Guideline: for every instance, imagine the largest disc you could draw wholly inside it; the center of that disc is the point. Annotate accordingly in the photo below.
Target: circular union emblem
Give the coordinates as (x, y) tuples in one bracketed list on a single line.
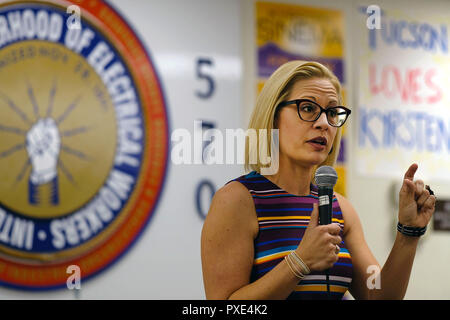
[(83, 140)]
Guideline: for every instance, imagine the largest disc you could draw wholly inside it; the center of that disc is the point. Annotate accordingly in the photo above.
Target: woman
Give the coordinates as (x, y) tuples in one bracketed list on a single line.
[(261, 238)]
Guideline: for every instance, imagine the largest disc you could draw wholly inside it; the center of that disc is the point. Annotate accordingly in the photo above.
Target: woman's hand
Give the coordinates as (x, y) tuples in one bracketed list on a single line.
[(416, 205), (318, 248)]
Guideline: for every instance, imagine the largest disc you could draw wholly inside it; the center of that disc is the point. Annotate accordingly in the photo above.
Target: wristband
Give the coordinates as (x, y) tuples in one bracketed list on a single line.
[(411, 231)]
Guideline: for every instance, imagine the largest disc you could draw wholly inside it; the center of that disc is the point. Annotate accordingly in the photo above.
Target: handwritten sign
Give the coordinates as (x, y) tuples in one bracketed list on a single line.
[(403, 96)]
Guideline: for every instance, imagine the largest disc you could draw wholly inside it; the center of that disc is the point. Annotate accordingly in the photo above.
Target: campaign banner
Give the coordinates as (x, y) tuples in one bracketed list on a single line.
[(288, 32), (403, 100)]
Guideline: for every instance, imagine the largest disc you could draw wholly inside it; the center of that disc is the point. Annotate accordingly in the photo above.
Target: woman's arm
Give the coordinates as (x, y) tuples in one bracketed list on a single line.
[(395, 274), (415, 209), (361, 255), (228, 253)]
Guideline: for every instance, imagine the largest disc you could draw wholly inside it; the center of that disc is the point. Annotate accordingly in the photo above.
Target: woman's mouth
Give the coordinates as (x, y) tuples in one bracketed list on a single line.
[(318, 143)]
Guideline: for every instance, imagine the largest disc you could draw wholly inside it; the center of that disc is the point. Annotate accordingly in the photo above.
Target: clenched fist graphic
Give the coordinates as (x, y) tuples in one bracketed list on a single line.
[(43, 145)]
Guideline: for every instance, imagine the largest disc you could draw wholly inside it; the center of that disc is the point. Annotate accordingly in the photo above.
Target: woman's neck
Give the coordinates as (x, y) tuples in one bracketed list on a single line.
[(293, 178)]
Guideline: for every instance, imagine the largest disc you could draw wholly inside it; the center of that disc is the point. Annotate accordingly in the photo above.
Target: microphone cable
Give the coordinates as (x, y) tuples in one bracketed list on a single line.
[(327, 275)]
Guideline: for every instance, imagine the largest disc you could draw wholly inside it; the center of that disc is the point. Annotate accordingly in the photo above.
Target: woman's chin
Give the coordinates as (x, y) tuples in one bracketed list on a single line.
[(312, 160)]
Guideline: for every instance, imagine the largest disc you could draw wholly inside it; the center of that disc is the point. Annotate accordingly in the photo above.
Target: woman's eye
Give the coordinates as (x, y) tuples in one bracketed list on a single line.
[(332, 113), (309, 108)]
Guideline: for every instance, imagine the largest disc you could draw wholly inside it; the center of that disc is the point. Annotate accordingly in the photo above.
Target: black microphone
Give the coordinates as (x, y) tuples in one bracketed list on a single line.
[(326, 178)]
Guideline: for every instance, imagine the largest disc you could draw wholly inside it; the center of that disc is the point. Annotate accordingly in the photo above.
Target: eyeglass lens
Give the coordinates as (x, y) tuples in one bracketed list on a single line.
[(309, 111)]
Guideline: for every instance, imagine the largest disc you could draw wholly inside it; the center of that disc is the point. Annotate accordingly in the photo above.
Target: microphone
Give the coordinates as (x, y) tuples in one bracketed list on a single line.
[(326, 178)]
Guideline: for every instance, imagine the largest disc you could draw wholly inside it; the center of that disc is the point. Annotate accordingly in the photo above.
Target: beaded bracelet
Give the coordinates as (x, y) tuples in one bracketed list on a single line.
[(411, 231)]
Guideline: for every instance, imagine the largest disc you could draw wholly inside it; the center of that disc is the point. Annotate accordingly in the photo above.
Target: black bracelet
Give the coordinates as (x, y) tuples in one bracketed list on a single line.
[(411, 231)]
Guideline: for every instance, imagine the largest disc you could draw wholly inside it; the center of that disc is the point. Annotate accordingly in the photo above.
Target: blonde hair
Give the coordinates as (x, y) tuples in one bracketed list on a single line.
[(277, 89)]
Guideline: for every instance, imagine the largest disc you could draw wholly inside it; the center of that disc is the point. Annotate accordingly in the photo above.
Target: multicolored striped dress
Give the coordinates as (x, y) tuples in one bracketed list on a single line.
[(282, 219)]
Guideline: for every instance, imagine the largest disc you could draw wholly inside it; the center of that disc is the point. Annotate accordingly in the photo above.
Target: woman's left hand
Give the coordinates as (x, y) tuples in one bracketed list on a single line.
[(416, 205)]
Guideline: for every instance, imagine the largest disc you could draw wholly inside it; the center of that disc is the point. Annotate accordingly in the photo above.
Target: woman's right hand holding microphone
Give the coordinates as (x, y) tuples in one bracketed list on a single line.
[(319, 247)]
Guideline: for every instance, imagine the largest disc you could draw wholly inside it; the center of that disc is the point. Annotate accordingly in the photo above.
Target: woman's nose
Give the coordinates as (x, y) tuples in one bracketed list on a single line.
[(322, 122)]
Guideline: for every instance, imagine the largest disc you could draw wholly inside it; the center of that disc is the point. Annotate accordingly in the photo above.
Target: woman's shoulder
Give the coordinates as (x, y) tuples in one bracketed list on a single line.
[(239, 187), (231, 205), (348, 212), (342, 200), (234, 193), (247, 178), (344, 203)]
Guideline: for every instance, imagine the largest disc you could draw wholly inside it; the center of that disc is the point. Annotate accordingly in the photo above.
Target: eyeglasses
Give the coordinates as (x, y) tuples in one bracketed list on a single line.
[(311, 111)]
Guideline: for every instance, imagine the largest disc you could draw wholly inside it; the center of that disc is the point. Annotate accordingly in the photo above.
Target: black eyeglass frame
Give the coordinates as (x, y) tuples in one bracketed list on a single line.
[(322, 110)]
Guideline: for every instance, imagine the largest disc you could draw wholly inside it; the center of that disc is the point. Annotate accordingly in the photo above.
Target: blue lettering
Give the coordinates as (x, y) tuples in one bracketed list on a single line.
[(401, 25), (388, 130), (410, 128), (364, 130), (426, 31), (372, 38), (399, 121), (410, 131), (410, 35), (413, 30), (444, 39), (430, 136), (394, 135), (419, 117), (388, 34), (444, 133)]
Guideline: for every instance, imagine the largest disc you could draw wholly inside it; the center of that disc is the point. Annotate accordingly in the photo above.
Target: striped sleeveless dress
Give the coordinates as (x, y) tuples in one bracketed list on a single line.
[(282, 219)]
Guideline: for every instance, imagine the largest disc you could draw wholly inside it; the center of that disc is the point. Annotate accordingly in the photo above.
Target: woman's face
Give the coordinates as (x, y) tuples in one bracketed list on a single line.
[(307, 143)]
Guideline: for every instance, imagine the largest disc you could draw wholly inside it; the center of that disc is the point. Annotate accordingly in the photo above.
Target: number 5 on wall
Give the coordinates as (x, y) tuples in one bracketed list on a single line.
[(201, 64)]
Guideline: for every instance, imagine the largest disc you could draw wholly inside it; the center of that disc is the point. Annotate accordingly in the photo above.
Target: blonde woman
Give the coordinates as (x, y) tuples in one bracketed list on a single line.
[(261, 238)]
